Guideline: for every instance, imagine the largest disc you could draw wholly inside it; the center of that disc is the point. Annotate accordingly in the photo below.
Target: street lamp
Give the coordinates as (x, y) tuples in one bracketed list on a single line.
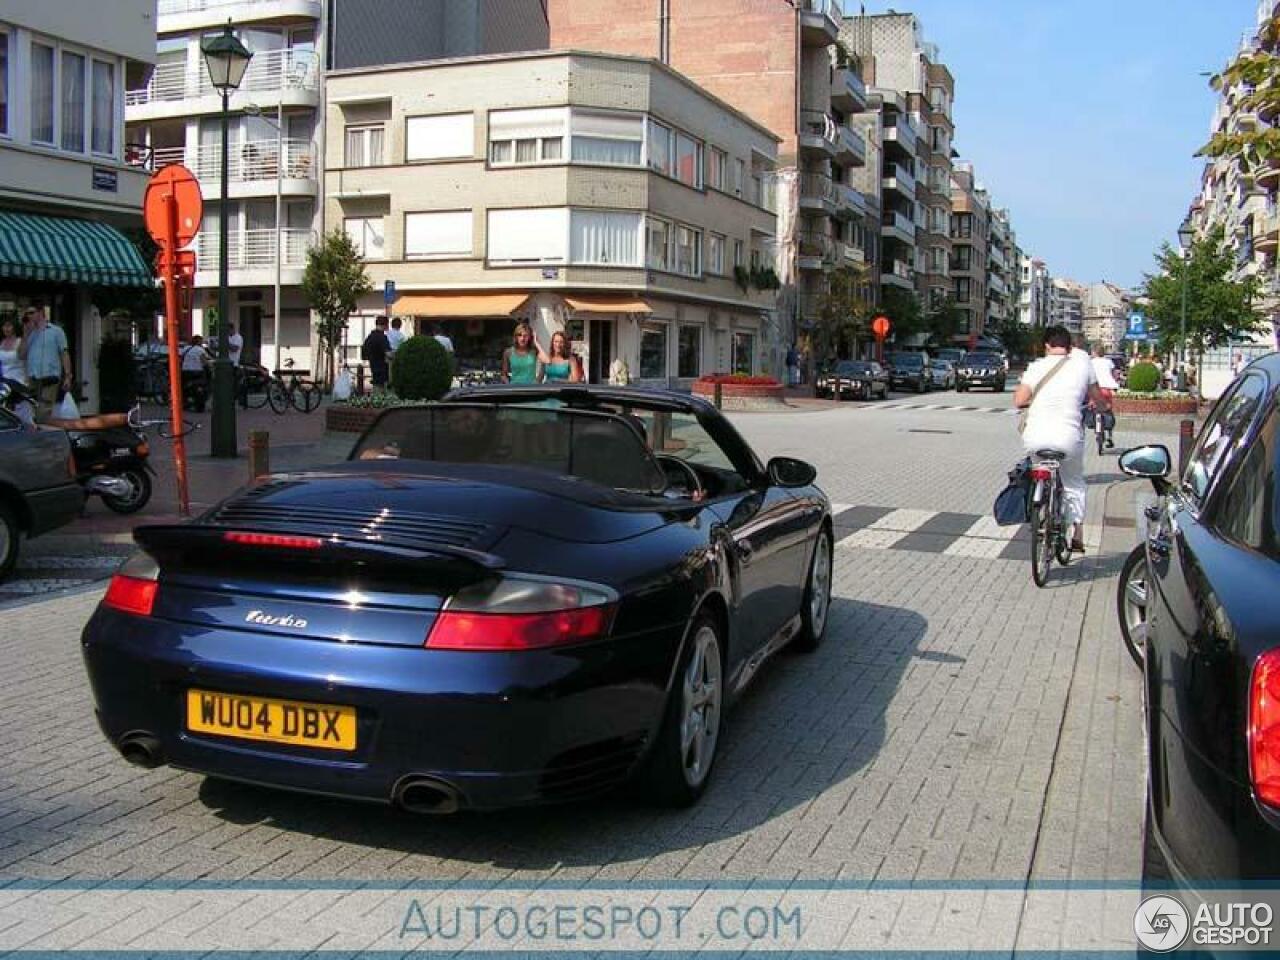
[(1186, 236), (226, 59)]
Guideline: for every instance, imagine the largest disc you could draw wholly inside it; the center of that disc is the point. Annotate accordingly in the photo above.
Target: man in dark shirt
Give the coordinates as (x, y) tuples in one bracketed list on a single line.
[(375, 351)]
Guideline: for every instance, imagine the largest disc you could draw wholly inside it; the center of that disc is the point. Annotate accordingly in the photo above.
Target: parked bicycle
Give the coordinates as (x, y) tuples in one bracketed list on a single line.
[(291, 387), (1050, 530)]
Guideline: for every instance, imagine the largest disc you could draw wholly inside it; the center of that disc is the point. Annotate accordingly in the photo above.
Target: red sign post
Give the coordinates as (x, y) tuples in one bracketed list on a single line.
[(172, 210), (880, 326)]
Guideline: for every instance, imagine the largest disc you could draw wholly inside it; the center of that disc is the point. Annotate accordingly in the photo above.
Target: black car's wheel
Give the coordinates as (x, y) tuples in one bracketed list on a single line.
[(10, 538), (817, 596), (1000, 387), (1131, 603), (920, 387), (137, 497), (685, 752)]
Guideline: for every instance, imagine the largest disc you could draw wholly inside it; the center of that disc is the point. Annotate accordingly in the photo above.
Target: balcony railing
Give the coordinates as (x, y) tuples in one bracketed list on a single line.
[(817, 186), (898, 268), (813, 245), (828, 8), (171, 7), (891, 218), (254, 249), (816, 124), (902, 177), (269, 71), (251, 161)]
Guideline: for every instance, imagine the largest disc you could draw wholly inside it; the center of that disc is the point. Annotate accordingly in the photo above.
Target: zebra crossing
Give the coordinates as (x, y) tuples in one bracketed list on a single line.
[(42, 570), (937, 407), (976, 536)]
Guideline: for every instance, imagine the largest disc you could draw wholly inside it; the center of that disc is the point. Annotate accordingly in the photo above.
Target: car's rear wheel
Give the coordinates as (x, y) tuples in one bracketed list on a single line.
[(10, 537), (817, 596), (685, 752)]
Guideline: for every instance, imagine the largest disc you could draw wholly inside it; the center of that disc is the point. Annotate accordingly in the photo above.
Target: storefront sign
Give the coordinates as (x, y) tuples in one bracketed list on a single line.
[(105, 179)]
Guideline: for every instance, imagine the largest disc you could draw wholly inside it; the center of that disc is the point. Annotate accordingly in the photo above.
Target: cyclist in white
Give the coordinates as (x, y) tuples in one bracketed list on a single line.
[(1060, 383), (1104, 369)]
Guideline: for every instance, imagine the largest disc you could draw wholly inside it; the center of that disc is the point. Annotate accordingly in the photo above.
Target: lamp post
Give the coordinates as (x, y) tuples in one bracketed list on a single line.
[(1186, 236), (226, 59)]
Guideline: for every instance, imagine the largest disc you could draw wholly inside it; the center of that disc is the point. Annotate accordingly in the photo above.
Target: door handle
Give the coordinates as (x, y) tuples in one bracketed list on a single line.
[(1158, 544)]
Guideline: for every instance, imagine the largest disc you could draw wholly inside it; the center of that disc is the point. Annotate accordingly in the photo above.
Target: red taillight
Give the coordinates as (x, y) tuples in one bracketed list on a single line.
[(460, 630), (1041, 473), (131, 595), (1264, 728), (283, 541)]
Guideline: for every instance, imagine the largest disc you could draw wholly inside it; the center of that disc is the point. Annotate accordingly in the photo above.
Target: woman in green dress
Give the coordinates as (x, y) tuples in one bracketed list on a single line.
[(562, 365), (522, 361)]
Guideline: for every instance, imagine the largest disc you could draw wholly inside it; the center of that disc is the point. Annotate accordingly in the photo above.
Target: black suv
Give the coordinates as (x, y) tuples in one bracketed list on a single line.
[(980, 370), (909, 370)]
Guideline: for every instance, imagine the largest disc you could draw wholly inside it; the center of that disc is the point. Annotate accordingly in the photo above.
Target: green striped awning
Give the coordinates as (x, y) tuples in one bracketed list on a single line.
[(63, 249)]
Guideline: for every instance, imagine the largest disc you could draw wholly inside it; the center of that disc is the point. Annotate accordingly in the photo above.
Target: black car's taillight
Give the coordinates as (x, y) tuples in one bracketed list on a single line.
[(1264, 728), (134, 587), (517, 613)]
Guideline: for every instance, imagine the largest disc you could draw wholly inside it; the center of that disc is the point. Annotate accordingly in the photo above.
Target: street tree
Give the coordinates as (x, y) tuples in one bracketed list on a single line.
[(1218, 309), (333, 283), (1256, 72), (842, 314), (904, 311), (944, 320)]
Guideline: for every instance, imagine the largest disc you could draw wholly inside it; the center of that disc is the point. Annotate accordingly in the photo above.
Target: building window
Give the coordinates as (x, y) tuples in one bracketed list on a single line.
[(442, 234), (528, 236), (675, 154), (688, 168), (737, 253), (364, 146), (657, 245), (739, 175), (41, 93), (660, 147), (616, 139), (689, 352), (962, 258), (368, 234), (604, 238), (526, 136), (744, 352), (963, 289), (4, 82), (717, 168), (104, 107), (715, 254), (72, 102), (446, 137), (962, 225), (688, 252), (653, 353)]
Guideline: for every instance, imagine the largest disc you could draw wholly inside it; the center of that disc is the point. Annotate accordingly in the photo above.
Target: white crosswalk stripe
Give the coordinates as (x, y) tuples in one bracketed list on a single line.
[(889, 529), (985, 540)]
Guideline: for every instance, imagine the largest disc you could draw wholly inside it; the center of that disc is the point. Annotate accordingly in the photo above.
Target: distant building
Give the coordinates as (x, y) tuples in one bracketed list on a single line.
[(1105, 315), (1002, 270), (1066, 304), (1034, 292), (970, 232)]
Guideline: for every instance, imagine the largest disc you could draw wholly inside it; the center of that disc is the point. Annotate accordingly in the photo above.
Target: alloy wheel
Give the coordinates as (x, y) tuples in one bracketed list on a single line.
[(820, 585), (700, 714)]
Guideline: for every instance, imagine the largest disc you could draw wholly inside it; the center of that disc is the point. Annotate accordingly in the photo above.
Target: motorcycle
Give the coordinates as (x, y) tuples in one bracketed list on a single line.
[(110, 452)]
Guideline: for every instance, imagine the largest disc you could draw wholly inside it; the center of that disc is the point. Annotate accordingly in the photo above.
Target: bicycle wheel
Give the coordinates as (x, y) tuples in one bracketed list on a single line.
[(1101, 433), (306, 397), (1041, 542), (1062, 527), (279, 396)]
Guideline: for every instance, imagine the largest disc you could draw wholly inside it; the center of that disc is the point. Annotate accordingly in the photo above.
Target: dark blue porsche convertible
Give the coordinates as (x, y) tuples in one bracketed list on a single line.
[(519, 595)]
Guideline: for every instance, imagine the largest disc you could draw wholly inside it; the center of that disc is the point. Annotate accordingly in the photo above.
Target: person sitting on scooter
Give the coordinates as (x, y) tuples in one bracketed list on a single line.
[(195, 373)]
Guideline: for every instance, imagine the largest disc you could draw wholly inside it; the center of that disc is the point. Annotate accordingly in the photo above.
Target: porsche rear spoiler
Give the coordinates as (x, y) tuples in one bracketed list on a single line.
[(201, 544)]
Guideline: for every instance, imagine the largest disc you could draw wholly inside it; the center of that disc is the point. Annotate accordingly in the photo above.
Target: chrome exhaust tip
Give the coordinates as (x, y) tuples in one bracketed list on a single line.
[(418, 793)]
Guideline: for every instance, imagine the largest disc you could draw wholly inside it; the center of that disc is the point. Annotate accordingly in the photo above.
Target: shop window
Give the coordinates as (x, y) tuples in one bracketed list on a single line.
[(744, 352), (653, 353), (689, 352)]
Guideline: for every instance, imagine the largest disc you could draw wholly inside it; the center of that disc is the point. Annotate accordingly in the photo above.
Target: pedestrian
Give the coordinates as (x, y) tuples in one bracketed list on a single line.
[(48, 360), (1053, 391), (376, 351), (441, 337), (1237, 364), (395, 336), (195, 374), (522, 361), (562, 365), (12, 361), (235, 345), (793, 366)]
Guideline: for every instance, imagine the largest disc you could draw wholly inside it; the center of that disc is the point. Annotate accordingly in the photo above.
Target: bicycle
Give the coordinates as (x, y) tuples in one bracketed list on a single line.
[(289, 388), (1050, 530), (253, 384), (1101, 422), (163, 425)]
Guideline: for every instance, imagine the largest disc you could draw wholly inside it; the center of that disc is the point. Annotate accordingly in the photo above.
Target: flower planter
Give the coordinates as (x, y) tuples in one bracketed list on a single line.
[(742, 396), (1151, 406), (340, 418)]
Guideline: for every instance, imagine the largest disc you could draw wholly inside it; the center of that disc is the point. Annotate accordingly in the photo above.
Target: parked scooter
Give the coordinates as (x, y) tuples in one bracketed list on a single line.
[(110, 452)]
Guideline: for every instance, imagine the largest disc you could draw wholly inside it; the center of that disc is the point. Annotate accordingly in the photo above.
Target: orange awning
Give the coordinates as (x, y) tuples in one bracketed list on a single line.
[(458, 304), (607, 304)]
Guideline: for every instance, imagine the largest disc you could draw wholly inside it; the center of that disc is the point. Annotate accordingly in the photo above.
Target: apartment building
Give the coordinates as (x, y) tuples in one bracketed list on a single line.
[(1243, 203), (970, 232), (606, 196), (1034, 291), (65, 189), (1066, 304), (1105, 315), (779, 63), (1002, 269), (914, 92), (274, 170)]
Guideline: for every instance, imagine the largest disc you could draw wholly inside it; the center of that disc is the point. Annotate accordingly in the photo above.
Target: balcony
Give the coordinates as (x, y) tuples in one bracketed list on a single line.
[(814, 251), (851, 149), (996, 285), (899, 179), (1268, 174), (848, 92), (850, 254), (819, 22), (252, 169), (897, 273), (181, 16), (895, 226), (175, 90), (817, 193), (817, 133), (850, 202), (898, 129), (253, 252), (1266, 232)]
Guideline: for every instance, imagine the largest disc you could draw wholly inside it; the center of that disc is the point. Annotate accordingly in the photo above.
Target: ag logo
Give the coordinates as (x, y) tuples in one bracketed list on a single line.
[(1161, 924)]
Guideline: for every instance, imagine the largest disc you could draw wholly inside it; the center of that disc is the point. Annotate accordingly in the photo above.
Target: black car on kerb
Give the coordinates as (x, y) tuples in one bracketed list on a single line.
[(980, 370), (1211, 641), (911, 370), (518, 595)]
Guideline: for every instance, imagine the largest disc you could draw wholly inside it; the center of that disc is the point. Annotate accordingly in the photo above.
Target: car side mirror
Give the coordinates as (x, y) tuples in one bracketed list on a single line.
[(790, 472), (1151, 462)]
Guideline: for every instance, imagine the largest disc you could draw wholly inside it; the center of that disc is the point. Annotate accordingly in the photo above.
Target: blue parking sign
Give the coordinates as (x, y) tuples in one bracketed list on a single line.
[(389, 292), (1137, 326)]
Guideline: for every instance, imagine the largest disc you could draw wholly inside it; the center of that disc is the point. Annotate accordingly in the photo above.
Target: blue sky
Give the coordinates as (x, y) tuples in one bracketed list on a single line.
[(1081, 116)]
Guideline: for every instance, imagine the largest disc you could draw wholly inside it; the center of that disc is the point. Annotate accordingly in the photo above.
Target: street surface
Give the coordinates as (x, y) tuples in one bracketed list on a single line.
[(957, 725)]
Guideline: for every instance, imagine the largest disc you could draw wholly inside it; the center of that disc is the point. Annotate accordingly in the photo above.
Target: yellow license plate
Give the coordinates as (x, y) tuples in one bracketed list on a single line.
[(272, 721)]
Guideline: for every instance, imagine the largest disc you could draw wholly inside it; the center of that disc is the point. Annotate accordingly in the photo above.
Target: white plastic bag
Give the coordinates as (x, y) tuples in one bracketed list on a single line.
[(342, 386), (66, 408)]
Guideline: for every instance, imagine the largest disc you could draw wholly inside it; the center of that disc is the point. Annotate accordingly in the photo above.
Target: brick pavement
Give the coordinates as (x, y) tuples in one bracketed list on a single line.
[(959, 724)]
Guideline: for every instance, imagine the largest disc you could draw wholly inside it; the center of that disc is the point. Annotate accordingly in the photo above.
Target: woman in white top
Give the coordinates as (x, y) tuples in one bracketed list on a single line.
[(1055, 389), (12, 362)]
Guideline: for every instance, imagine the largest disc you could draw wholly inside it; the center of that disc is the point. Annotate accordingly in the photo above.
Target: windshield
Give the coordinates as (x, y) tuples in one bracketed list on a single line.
[(907, 360), (598, 447), (982, 359), (849, 368)]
